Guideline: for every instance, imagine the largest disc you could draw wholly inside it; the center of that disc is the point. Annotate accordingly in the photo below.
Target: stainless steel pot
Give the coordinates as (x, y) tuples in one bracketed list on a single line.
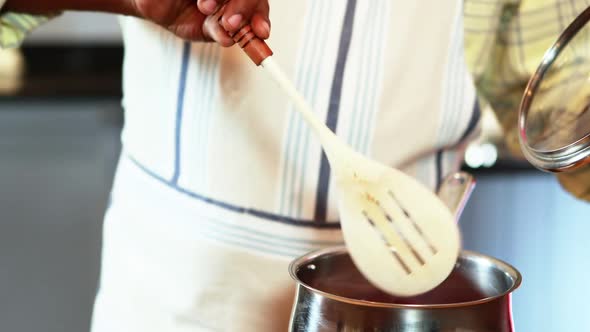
[(332, 295)]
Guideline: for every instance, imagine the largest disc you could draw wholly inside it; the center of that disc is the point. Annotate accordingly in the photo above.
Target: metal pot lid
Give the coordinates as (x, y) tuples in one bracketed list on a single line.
[(554, 119)]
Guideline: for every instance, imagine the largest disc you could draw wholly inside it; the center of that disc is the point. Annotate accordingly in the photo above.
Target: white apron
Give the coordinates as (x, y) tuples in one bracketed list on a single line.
[(220, 183)]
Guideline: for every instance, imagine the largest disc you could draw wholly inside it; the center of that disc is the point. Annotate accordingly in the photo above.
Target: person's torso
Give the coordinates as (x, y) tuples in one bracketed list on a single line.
[(219, 184), (388, 76)]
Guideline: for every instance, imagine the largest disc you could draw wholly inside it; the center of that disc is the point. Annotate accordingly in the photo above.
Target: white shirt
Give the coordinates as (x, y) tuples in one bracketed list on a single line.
[(221, 184)]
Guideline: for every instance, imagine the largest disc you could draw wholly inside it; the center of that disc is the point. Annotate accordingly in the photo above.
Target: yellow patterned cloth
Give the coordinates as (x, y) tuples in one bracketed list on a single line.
[(504, 42), (15, 27)]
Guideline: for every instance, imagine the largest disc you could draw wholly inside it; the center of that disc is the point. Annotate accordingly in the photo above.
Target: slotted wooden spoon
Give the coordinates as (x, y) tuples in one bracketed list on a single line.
[(400, 235)]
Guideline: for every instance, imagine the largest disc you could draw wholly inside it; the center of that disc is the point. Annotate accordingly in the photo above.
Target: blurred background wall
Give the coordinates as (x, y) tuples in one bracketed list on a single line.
[(60, 120)]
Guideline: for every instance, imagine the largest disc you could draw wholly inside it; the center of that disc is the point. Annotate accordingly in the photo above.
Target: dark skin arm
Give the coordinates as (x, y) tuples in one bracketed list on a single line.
[(186, 18)]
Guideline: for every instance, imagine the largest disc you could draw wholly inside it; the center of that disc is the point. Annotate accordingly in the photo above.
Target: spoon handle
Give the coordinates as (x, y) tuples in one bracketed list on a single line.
[(455, 190), (261, 54), (254, 47)]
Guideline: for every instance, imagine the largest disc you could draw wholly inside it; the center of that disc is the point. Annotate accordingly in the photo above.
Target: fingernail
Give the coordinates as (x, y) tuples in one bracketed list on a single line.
[(266, 27), (235, 21), (210, 6)]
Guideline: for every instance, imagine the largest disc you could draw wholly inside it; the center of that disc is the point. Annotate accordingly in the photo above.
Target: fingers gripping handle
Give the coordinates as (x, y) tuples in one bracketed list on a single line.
[(254, 47)]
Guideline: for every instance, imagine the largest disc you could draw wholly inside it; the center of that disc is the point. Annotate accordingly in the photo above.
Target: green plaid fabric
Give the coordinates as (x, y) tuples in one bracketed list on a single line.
[(505, 41), (15, 27)]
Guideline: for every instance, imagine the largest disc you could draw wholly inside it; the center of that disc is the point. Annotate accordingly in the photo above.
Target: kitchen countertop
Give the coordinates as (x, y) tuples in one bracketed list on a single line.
[(505, 166)]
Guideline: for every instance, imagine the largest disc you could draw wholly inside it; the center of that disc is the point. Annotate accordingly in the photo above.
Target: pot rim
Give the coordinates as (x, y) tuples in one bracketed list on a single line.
[(510, 270)]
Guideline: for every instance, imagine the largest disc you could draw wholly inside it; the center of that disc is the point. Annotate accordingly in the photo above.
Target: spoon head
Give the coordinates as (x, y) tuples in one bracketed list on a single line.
[(400, 235)]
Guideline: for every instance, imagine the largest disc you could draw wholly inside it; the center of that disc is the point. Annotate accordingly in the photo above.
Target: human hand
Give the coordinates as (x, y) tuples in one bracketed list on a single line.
[(203, 21)]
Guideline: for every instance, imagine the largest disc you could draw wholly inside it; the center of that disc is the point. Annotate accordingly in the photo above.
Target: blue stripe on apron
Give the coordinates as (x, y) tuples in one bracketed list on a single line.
[(232, 207), (333, 110), (179, 109)]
